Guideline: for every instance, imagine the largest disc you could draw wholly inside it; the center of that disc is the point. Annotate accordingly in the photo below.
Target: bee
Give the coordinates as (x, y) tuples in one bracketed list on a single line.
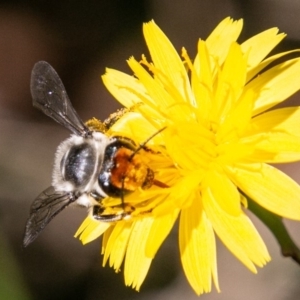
[(88, 167)]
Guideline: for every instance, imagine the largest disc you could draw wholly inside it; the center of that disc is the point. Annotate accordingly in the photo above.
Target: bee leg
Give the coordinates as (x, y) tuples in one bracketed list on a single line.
[(98, 215), (114, 117), (122, 193)]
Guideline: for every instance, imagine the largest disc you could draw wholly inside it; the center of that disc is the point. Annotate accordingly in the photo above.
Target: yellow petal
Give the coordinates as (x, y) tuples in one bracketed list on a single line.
[(230, 82), (236, 232), (186, 186), (222, 37), (256, 69), (199, 151), (260, 45), (83, 226), (116, 245), (275, 85), (130, 92), (91, 229), (126, 89), (276, 135), (237, 120), (269, 187), (286, 120), (221, 185), (198, 248), (160, 229), (166, 58), (274, 147), (159, 97), (231, 152), (202, 81), (105, 239), (234, 69), (202, 65), (135, 126), (137, 263)]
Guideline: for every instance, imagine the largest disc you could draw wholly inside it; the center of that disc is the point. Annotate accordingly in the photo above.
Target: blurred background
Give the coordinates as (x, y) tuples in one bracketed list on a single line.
[(80, 39)]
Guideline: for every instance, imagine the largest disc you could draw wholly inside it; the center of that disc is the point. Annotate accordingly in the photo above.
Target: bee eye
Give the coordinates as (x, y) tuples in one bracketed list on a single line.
[(77, 166)]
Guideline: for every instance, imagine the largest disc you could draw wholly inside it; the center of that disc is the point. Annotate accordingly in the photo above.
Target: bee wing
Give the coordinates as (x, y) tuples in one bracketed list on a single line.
[(44, 208), (50, 96)]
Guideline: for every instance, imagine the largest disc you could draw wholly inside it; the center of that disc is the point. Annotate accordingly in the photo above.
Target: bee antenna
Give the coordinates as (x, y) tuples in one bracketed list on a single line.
[(142, 145), (122, 192)]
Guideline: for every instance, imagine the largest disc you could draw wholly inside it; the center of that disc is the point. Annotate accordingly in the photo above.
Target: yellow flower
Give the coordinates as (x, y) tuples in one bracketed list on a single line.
[(215, 152)]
